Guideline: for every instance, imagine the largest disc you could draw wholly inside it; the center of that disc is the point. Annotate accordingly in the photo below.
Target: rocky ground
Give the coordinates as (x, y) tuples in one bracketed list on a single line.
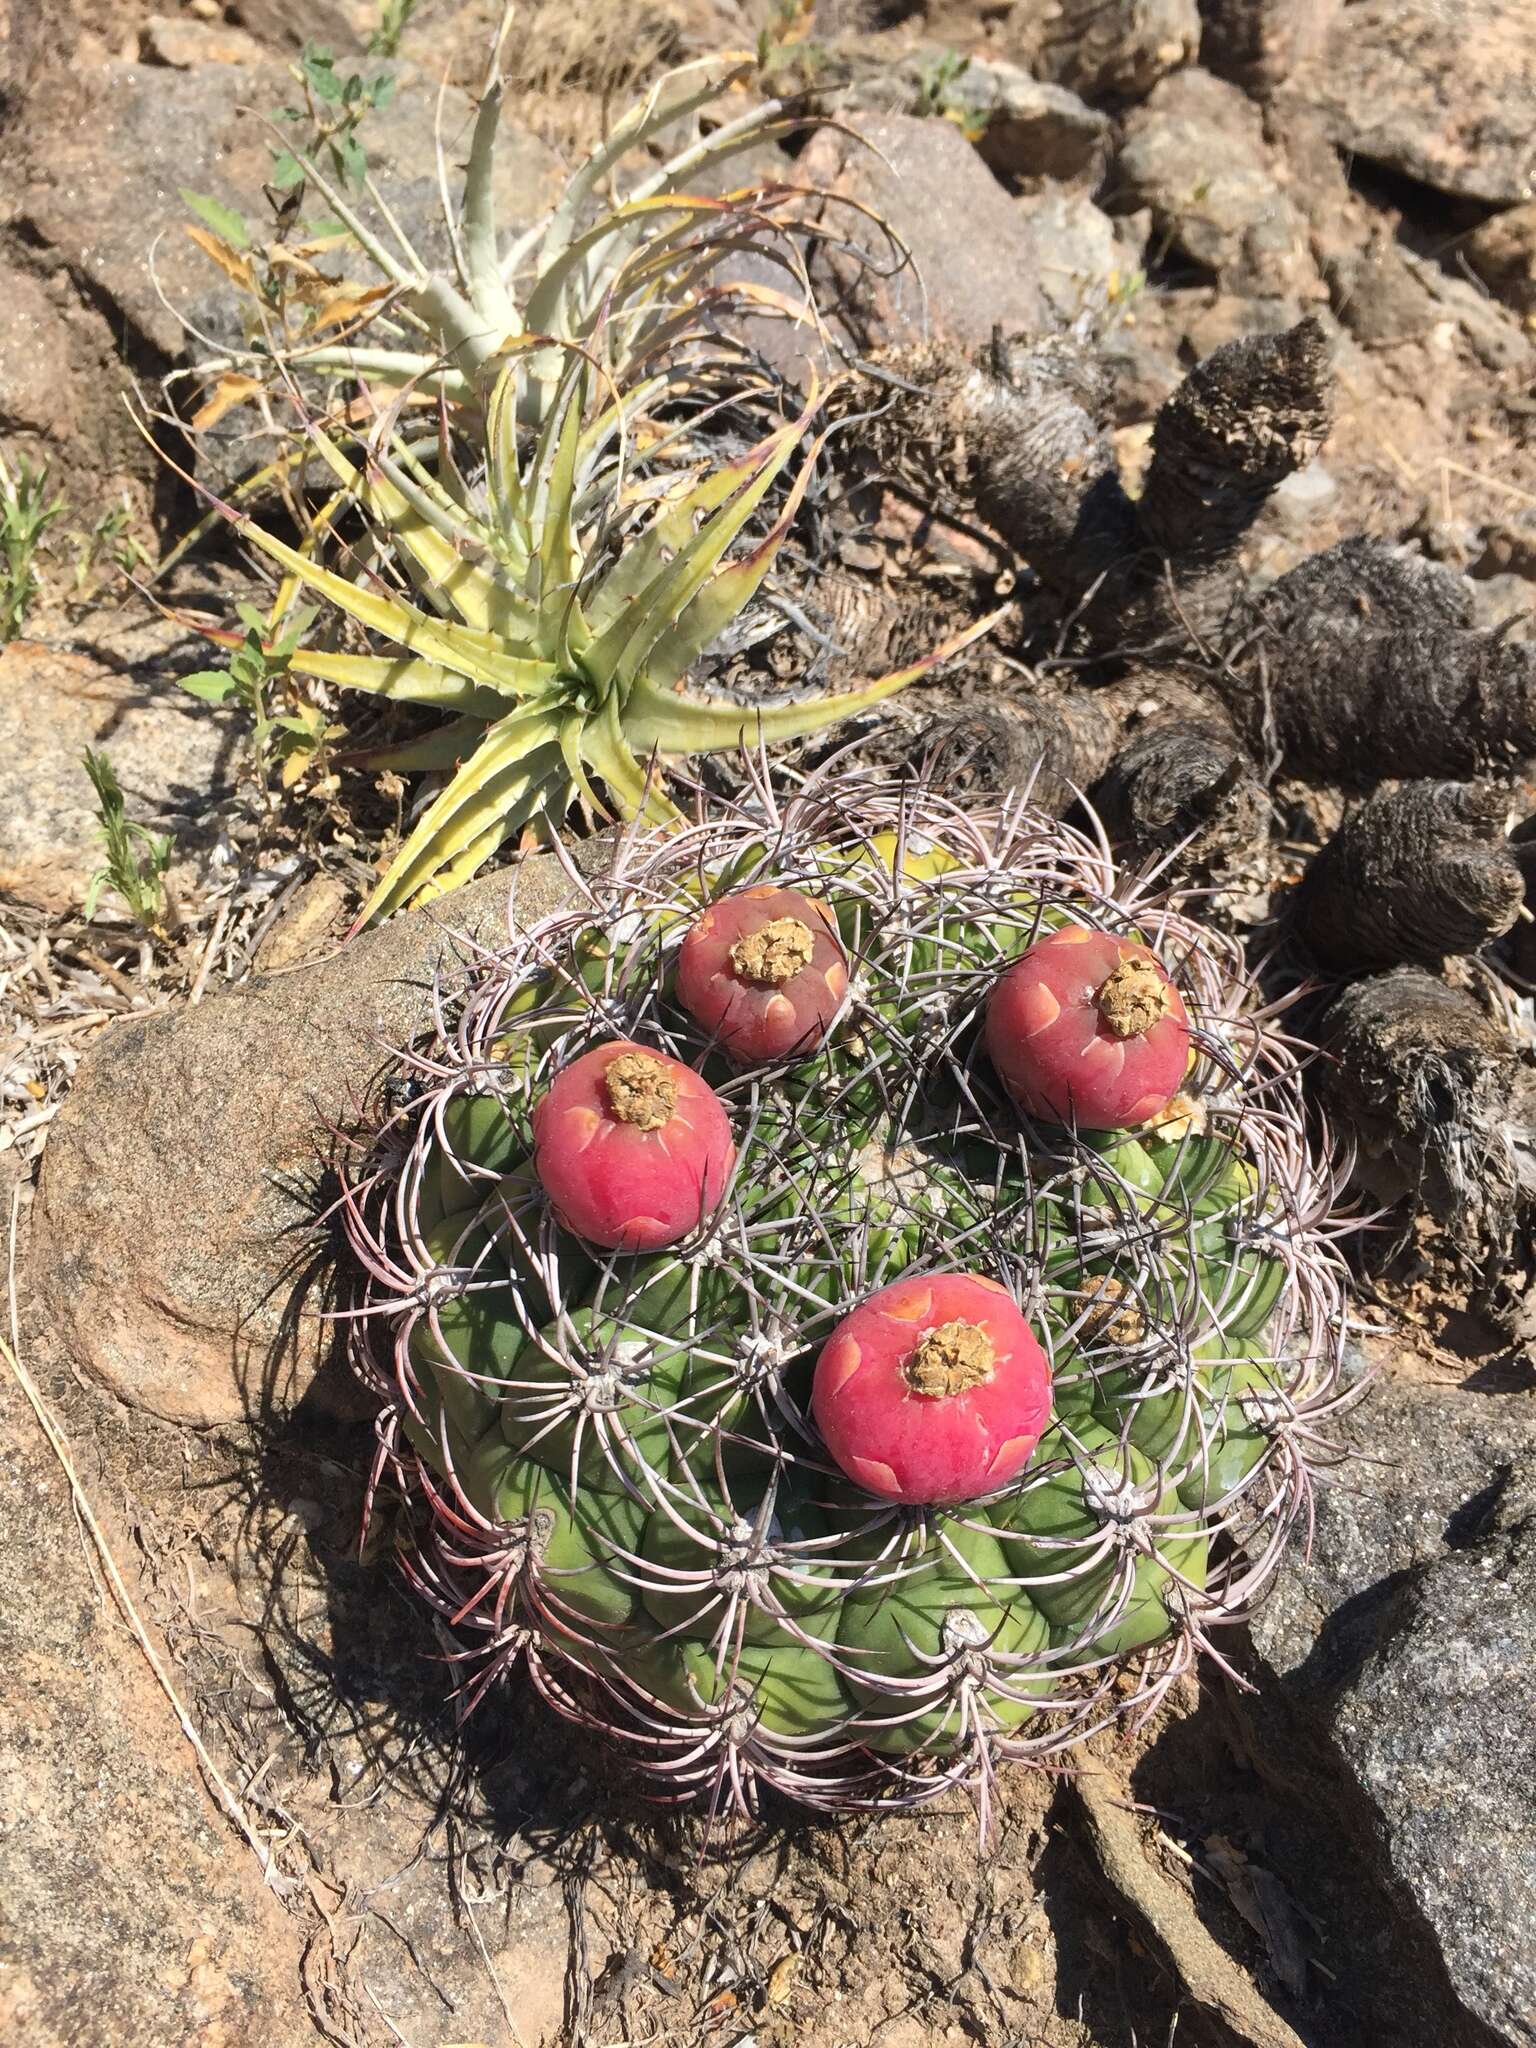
[(234, 1807)]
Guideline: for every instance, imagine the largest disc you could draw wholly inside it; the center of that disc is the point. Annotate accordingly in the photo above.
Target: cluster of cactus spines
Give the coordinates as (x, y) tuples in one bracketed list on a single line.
[(928, 1431)]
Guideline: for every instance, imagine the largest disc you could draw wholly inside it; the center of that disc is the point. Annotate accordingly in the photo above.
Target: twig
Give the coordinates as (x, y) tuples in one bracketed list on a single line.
[(217, 1784), (221, 919)]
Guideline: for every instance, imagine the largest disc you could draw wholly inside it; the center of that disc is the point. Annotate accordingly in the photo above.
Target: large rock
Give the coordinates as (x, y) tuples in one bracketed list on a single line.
[(1257, 43), (109, 150), (1408, 1639), (1196, 155), (1439, 89), (973, 265), (173, 755), (175, 1241)]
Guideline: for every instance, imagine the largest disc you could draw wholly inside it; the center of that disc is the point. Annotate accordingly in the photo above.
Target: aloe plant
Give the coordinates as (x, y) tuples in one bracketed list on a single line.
[(559, 600)]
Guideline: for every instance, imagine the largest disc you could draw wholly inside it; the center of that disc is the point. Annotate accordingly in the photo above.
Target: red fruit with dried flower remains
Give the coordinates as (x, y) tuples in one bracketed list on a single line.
[(632, 1148), (933, 1390), (1086, 1028), (764, 971)]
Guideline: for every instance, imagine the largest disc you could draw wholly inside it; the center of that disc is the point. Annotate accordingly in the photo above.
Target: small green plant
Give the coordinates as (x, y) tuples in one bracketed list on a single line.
[(25, 516), (939, 95), (136, 858), (107, 541), (394, 18), (256, 663), (336, 104)]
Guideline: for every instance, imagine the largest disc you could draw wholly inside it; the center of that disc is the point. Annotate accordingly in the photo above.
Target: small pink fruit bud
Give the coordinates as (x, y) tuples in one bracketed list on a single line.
[(933, 1390), (1087, 1029), (633, 1149), (764, 971)]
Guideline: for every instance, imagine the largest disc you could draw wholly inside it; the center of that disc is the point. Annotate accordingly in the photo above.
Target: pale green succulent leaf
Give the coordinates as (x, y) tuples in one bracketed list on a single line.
[(482, 264), (481, 603), (408, 681), (477, 656), (515, 771), (622, 649), (434, 753), (725, 595), (678, 724), (674, 97), (605, 743)]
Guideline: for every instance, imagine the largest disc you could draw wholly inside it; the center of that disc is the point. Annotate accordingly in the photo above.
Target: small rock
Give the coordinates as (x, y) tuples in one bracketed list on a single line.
[(184, 44), (973, 261), (1196, 154), (1301, 498), (1503, 253), (1106, 49), (173, 1243), (307, 924), (1257, 43), (173, 755), (1079, 254), (1024, 127), (1408, 1637), (1438, 89)]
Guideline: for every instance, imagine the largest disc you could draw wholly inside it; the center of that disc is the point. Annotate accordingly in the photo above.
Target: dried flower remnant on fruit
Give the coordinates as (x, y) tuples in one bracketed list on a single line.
[(959, 1343), (764, 971), (1085, 1028), (640, 1090), (1107, 1317), (950, 1360), (1132, 998), (774, 953)]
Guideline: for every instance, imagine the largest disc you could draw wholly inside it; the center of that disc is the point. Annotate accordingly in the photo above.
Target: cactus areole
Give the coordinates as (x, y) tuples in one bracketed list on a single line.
[(848, 1382), (1086, 1028), (933, 1391)]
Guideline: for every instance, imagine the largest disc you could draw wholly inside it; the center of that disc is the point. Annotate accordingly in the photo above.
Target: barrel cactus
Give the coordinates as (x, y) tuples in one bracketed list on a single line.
[(785, 1374)]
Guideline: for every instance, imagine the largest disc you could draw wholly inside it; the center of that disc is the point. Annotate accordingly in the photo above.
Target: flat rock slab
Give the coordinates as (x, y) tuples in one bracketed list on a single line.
[(1441, 90), (173, 755), (1408, 1639), (174, 1238)]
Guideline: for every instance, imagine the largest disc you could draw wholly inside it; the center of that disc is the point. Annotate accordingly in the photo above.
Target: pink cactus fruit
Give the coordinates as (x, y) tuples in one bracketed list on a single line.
[(633, 1149), (1086, 1028), (933, 1390), (764, 971)]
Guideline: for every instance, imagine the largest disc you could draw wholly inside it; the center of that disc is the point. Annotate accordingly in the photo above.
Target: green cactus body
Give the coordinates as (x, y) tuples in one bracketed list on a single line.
[(624, 1447)]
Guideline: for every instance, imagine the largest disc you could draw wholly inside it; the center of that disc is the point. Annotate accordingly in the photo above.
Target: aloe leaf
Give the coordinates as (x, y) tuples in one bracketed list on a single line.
[(475, 655), (488, 293), (407, 681), (503, 476), (726, 594), (434, 753), (555, 487), (622, 648), (673, 97), (606, 746), (517, 762), (480, 602), (677, 724)]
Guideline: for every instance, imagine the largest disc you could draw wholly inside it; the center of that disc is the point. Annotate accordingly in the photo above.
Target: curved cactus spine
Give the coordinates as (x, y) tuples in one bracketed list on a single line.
[(626, 1487)]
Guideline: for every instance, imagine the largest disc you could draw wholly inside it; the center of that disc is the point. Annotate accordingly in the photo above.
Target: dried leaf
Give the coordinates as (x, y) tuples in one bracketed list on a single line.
[(781, 1979), (1266, 1905), (231, 390), (217, 250), (345, 303)]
